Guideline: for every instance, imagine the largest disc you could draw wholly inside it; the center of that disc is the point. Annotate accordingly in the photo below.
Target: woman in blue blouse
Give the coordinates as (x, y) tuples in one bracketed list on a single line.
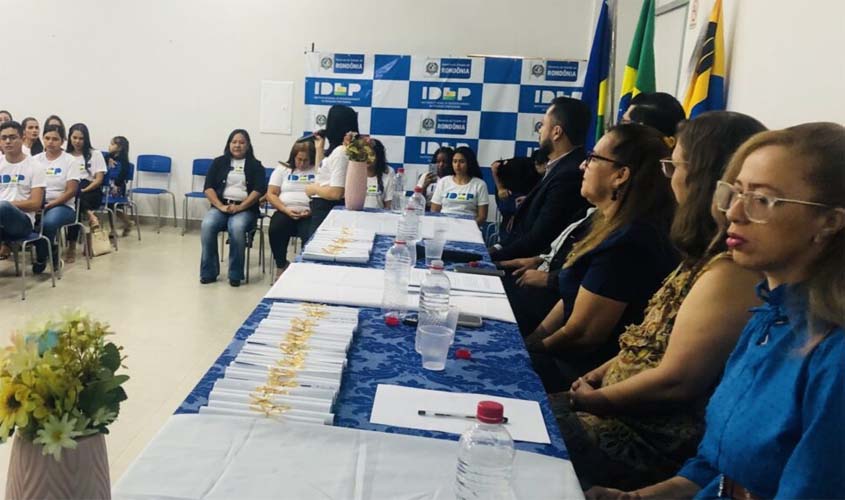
[(610, 275), (774, 424)]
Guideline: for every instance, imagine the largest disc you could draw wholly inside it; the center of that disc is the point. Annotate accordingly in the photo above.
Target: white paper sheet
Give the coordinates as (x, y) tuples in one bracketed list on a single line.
[(396, 405), (385, 223), (464, 282)]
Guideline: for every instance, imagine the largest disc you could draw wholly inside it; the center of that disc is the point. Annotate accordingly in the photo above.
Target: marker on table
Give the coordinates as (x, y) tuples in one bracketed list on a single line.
[(428, 413)]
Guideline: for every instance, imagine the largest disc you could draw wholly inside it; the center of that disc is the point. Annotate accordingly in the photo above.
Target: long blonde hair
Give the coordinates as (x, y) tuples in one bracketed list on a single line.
[(820, 149), (646, 195)]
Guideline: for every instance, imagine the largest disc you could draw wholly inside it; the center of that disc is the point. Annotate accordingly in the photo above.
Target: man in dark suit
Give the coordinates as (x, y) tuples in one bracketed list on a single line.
[(556, 201)]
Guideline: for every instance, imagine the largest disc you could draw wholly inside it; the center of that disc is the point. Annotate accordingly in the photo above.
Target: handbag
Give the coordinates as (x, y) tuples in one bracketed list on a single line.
[(99, 243)]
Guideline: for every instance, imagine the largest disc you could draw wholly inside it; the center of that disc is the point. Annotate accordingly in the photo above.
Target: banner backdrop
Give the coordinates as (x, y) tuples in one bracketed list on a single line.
[(416, 104)]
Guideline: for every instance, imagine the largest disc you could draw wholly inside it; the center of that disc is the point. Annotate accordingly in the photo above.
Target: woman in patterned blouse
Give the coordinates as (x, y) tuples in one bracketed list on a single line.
[(637, 418)]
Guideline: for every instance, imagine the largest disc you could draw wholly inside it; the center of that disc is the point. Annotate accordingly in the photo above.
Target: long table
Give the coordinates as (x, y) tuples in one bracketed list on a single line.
[(379, 354)]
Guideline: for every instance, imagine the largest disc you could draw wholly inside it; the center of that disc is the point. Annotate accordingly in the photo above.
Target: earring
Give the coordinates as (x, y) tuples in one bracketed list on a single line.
[(614, 195)]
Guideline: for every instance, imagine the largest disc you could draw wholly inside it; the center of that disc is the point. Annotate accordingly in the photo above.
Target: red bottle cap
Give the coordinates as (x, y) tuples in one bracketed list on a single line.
[(418, 189), (463, 354), (391, 321), (490, 412), (474, 263)]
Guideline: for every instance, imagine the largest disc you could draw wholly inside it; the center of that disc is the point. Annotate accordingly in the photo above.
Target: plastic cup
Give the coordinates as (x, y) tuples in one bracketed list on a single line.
[(434, 346), (452, 321), (434, 246)]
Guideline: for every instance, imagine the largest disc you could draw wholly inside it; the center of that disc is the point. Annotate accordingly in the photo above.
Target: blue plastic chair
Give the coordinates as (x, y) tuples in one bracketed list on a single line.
[(20, 247), (199, 169), (155, 164), (124, 203)]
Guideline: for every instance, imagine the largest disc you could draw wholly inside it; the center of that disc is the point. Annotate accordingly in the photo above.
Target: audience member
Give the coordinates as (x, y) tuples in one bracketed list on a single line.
[(21, 185), (556, 201), (640, 415), (773, 424), (119, 169), (381, 180), (5, 116), (92, 169), (514, 179), (440, 167), (286, 194), (611, 273), (55, 120), (327, 191), (234, 184), (62, 178), (657, 109), (464, 192), (31, 137)]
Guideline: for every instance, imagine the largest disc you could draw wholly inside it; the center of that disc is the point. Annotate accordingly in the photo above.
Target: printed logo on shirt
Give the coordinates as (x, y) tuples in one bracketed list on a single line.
[(460, 196), (54, 171), (348, 63), (12, 179), (373, 190), (239, 168), (561, 71), (301, 179)]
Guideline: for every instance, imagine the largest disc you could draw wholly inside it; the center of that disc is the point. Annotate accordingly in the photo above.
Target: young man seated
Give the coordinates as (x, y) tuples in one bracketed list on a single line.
[(22, 185)]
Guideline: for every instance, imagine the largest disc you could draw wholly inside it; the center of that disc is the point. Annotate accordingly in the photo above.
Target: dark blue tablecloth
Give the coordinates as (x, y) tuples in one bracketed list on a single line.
[(380, 354)]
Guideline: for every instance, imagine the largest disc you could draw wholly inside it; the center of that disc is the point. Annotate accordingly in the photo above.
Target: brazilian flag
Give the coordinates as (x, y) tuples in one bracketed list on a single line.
[(639, 72), (595, 93), (706, 91)]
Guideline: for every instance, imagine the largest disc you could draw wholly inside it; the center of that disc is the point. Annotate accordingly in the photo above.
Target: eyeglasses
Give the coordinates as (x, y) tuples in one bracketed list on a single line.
[(758, 207), (9, 138), (593, 156), (669, 166)]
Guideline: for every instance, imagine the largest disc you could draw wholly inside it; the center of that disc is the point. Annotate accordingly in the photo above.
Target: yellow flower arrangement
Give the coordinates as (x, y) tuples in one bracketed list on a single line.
[(361, 149), (58, 383)]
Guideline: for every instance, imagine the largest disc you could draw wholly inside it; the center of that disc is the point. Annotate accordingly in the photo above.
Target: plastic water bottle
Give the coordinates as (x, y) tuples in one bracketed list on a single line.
[(434, 299), (397, 272), (485, 456), (398, 202), (418, 201), (408, 230)]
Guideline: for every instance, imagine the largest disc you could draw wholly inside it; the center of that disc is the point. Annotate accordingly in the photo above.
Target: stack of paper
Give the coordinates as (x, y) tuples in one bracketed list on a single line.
[(291, 367), (343, 244)]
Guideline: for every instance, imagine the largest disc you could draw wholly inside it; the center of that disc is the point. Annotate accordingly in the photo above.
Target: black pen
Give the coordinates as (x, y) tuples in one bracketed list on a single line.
[(425, 413)]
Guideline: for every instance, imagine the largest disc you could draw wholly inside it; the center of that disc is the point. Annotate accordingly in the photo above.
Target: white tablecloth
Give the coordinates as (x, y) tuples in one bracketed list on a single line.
[(196, 456)]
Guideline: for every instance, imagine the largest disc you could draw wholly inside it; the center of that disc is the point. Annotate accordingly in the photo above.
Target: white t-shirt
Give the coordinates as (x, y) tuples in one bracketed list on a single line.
[(236, 181), (376, 198), (57, 173), (332, 172), (460, 199), (26, 150), (292, 185), (18, 179), (429, 191), (97, 164)]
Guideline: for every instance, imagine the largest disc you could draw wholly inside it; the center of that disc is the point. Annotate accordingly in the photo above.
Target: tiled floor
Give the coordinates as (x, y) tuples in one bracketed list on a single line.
[(172, 328)]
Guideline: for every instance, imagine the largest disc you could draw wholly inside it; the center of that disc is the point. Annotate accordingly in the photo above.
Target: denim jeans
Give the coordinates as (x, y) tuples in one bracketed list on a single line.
[(237, 225), (52, 221), (14, 223)]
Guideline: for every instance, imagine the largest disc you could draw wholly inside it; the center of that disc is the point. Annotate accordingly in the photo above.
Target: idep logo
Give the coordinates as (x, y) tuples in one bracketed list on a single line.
[(349, 63), (466, 96), (451, 124), (535, 99), (12, 179), (328, 91), (460, 196), (54, 171), (561, 71), (337, 89), (418, 150)]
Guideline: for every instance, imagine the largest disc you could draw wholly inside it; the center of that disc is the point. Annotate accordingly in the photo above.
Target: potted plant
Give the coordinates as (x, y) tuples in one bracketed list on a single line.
[(361, 153), (59, 391)]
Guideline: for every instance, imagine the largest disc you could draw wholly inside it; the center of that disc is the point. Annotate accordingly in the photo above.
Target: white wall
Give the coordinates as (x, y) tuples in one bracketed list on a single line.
[(176, 77)]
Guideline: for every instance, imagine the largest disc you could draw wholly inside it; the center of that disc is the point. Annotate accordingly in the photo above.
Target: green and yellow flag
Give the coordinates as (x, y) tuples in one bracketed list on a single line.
[(639, 72)]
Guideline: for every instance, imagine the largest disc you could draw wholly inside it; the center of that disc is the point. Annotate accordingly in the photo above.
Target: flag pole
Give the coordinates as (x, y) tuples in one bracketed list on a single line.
[(613, 7)]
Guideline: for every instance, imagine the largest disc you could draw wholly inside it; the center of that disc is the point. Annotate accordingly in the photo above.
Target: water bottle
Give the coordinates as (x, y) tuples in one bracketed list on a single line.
[(418, 201), (397, 272), (398, 202), (485, 456), (434, 299), (408, 230)]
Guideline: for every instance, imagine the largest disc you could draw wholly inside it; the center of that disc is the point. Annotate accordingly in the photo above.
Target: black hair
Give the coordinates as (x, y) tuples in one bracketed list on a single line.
[(449, 152), (61, 122), (249, 153), (380, 165), (472, 162), (12, 124), (37, 146), (122, 155), (340, 120), (55, 128), (657, 110), (2, 111), (573, 115), (86, 144)]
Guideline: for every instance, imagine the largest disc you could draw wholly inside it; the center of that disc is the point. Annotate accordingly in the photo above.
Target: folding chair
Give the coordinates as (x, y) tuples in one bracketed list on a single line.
[(156, 164), (122, 203), (199, 169), (61, 235), (20, 247)]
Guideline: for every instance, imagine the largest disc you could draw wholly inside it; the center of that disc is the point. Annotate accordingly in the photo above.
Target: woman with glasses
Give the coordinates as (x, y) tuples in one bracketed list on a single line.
[(774, 423), (635, 419), (286, 194), (610, 274)]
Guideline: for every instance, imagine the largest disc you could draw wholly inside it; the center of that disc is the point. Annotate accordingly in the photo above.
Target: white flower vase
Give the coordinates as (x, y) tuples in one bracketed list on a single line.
[(81, 473)]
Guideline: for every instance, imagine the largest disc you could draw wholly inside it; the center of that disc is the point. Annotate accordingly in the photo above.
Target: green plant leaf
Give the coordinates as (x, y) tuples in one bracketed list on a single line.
[(110, 357)]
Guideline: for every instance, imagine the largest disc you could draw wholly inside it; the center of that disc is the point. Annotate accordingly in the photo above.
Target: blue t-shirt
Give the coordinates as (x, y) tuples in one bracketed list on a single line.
[(628, 266)]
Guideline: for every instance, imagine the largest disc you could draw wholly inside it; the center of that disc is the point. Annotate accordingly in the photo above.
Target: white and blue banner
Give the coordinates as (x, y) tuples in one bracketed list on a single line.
[(416, 104)]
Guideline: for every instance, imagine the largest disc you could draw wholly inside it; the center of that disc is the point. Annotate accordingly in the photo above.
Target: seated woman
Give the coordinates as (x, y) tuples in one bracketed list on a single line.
[(380, 180), (439, 167), (286, 193), (62, 176), (774, 423), (92, 170), (611, 273), (514, 179), (234, 184), (119, 170), (31, 137), (328, 189), (464, 192), (640, 415)]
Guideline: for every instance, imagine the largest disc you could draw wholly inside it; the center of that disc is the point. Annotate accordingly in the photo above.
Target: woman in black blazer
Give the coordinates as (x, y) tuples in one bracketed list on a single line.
[(234, 184)]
